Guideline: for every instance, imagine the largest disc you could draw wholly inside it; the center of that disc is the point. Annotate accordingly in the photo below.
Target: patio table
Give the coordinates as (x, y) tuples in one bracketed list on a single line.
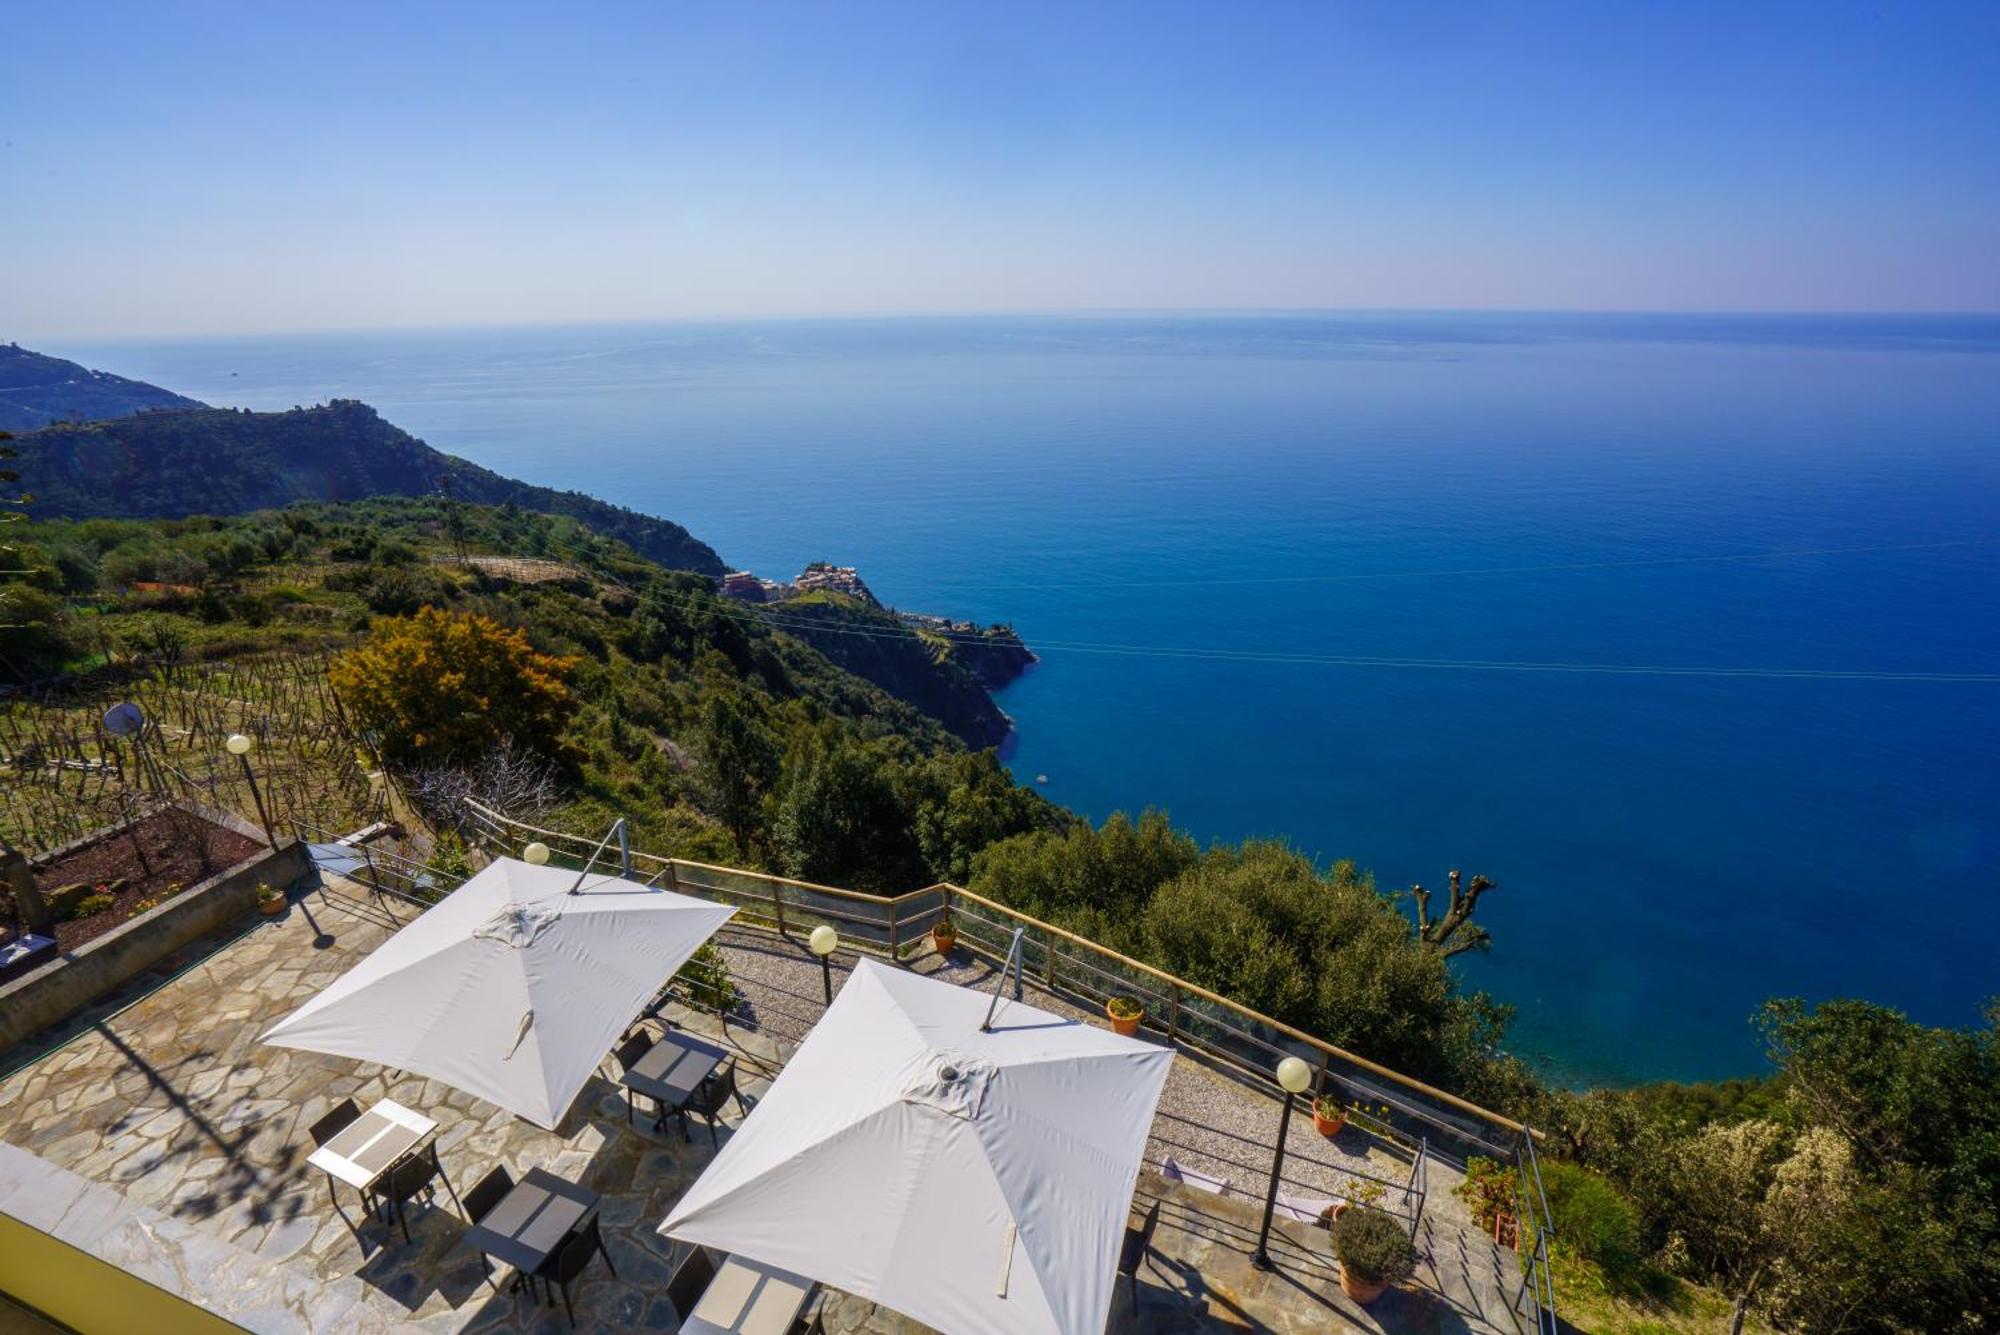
[(372, 1144), (748, 1297), (672, 1070), (532, 1220)]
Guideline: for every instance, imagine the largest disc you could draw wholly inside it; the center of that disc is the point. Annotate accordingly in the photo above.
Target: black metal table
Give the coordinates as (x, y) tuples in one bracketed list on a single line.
[(672, 1070), (532, 1220)]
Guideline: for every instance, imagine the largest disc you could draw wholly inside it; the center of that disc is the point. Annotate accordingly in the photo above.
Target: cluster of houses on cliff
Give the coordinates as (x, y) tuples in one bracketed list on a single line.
[(819, 577)]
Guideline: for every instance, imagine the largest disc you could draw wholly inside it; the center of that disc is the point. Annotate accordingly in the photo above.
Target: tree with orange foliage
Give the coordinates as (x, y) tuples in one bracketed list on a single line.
[(442, 686)]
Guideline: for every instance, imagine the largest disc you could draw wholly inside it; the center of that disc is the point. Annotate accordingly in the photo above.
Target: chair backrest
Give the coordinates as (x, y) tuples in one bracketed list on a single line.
[(719, 1089), (633, 1048), (1137, 1239), (691, 1279), (577, 1250), (1151, 1222), (344, 1114), (409, 1177), (490, 1191)]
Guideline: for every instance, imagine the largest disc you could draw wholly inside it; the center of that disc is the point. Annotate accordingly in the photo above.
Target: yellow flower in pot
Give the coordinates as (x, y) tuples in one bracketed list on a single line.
[(1329, 1114), (944, 935), (270, 902), (1125, 1015)]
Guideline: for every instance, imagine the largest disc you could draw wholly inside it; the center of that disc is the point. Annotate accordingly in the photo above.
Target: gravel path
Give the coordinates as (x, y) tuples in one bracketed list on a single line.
[(1207, 1120)]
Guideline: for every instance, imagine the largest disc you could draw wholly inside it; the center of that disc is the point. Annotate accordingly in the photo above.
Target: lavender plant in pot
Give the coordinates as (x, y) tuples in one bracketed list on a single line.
[(1374, 1251)]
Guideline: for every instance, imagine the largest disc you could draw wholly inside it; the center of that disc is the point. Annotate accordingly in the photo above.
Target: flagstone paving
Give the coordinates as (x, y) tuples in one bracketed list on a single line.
[(168, 1098)]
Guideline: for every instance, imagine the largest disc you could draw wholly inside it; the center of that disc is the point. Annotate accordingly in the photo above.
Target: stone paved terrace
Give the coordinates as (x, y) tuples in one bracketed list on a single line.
[(164, 1097)]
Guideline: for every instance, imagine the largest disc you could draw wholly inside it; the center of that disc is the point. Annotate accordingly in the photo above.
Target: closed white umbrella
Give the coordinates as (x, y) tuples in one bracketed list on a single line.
[(511, 987), (978, 1182)]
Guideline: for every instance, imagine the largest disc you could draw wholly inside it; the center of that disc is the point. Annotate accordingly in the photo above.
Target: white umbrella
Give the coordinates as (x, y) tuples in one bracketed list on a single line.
[(511, 987), (977, 1182)]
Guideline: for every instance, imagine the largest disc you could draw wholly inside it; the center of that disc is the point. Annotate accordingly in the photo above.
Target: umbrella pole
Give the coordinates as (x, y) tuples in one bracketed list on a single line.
[(1012, 963)]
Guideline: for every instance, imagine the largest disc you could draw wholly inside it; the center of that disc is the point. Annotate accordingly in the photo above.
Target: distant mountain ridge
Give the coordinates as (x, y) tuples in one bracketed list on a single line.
[(37, 389), (200, 460)]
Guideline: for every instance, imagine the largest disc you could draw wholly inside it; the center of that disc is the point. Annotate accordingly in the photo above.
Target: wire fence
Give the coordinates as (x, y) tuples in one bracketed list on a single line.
[(1411, 1120), (1407, 1116)]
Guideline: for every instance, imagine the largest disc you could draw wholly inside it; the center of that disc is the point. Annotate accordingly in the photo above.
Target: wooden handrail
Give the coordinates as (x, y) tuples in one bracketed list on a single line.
[(1330, 1049), (1159, 975)]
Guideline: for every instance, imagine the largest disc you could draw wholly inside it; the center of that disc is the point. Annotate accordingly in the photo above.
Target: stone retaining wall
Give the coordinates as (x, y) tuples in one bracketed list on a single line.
[(69, 982)]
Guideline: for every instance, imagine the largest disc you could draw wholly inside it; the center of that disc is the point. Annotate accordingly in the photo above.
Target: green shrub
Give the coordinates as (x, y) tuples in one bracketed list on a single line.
[(450, 860), (1490, 1187), (707, 980), (90, 904), (1592, 1216), (1374, 1247)]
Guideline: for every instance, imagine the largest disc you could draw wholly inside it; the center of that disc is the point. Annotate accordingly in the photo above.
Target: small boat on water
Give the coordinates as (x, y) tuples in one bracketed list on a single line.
[(1041, 778)]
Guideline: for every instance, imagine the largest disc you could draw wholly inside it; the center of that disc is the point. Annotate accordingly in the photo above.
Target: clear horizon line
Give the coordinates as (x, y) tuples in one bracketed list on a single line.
[(1020, 313)]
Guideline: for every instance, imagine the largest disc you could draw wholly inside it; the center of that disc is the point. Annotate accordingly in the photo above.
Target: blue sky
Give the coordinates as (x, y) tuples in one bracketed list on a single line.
[(240, 167)]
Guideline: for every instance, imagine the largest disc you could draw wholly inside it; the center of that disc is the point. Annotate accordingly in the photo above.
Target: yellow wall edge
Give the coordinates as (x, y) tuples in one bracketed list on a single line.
[(89, 1295)]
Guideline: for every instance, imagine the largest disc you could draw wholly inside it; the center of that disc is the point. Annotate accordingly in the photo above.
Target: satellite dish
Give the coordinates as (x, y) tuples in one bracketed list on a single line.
[(124, 720)]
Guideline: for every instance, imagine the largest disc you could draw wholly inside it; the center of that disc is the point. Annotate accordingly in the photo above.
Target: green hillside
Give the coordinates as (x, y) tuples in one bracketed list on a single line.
[(36, 389), (228, 461)]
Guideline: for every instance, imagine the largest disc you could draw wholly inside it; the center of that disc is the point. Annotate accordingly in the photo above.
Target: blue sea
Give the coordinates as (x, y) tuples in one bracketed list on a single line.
[(1684, 629)]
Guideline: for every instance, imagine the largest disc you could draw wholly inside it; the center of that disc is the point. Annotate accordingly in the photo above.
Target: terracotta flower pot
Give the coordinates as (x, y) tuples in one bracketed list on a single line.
[(943, 939), (1329, 1126), (1358, 1291), (271, 908), (1127, 1025)]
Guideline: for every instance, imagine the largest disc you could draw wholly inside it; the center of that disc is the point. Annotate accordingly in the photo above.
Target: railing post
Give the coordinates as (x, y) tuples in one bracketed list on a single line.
[(778, 904), (1173, 1015), (894, 954), (673, 875), (1049, 961)]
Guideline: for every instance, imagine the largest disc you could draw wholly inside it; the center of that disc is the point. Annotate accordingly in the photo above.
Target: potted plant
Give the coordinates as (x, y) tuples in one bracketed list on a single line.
[(1489, 1189), (1125, 1015), (270, 902), (1374, 1251), (944, 935), (1362, 1190), (1329, 1114)]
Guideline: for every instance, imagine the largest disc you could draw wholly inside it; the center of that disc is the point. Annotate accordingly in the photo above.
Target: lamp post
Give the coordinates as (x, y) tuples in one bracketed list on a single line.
[(823, 941), (238, 745), (536, 854), (1293, 1077)]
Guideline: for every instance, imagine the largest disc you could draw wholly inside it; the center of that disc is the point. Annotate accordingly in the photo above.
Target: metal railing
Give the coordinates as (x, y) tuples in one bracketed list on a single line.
[(1422, 1121), (380, 871), (1538, 1285)]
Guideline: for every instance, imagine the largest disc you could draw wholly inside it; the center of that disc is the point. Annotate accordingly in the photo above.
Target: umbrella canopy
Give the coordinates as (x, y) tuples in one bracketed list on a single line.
[(510, 987), (977, 1182)]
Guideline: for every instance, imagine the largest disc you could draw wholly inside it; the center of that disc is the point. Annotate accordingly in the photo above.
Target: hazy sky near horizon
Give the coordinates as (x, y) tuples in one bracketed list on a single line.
[(198, 168)]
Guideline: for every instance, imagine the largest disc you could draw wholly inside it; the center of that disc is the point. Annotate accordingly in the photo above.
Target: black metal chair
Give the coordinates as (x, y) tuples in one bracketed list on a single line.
[(707, 1100), (691, 1279), (569, 1260), (630, 1051), (409, 1179), (343, 1115), (1138, 1249), (488, 1192)]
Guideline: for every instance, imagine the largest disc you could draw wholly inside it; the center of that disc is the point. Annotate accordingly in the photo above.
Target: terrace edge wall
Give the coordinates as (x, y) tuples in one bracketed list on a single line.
[(51, 993)]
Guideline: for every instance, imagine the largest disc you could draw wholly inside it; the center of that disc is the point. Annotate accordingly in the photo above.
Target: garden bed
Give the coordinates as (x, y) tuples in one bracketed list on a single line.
[(182, 851)]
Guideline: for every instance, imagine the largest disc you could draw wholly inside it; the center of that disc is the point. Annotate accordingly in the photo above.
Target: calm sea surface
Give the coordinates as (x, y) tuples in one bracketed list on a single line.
[(1313, 577)]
